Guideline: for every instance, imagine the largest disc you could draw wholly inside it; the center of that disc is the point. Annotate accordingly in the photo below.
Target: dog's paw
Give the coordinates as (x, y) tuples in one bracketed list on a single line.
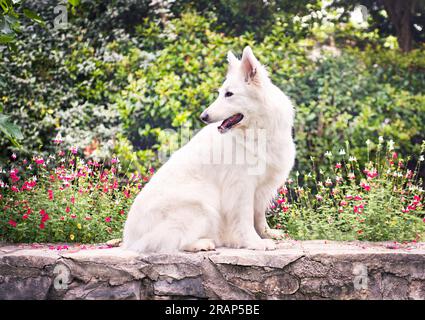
[(263, 244), (200, 245)]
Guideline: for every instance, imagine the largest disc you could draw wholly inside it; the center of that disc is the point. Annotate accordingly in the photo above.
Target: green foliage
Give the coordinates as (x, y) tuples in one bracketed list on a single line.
[(11, 131), (376, 200)]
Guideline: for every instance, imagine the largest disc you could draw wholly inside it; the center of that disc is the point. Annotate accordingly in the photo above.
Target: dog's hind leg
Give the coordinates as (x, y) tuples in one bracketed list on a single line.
[(188, 229)]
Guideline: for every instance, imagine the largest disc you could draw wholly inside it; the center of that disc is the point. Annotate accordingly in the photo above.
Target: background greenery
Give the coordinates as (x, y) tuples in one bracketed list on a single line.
[(122, 72)]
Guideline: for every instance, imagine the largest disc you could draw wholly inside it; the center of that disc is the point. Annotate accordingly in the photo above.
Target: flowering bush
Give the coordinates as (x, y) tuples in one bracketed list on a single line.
[(379, 200), (64, 198)]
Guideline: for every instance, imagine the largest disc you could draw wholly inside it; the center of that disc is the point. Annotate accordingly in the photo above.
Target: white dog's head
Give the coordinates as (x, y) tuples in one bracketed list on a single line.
[(241, 96)]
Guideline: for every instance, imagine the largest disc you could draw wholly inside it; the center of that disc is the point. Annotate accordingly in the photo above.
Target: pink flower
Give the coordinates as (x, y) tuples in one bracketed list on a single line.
[(394, 155), (127, 194), (281, 200), (39, 160), (343, 203), (62, 218), (108, 219), (12, 223), (285, 208), (50, 192), (14, 189), (338, 165), (72, 199), (74, 150), (73, 216), (67, 210), (358, 198), (88, 218), (349, 197), (365, 186), (122, 212), (13, 156), (319, 197)]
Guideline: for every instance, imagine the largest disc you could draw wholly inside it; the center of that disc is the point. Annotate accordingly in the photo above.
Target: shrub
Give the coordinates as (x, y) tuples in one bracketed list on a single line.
[(64, 198), (376, 200)]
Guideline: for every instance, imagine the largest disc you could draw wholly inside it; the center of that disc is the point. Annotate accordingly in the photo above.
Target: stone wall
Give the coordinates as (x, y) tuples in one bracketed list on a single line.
[(297, 270)]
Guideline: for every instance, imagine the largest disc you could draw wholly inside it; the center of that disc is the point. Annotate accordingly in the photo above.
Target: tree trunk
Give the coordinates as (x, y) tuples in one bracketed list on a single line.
[(400, 15)]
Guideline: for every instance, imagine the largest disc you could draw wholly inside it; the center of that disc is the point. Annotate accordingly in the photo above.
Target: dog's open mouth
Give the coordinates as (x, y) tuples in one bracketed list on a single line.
[(230, 122)]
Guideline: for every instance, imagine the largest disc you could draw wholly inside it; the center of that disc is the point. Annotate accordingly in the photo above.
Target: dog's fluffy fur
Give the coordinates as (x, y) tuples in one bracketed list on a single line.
[(192, 205)]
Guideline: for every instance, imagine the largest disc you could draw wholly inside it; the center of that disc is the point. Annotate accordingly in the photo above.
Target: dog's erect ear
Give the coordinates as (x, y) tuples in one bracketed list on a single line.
[(250, 66), (231, 58)]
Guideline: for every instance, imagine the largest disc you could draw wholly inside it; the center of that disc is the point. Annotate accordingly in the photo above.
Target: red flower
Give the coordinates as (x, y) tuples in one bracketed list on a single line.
[(127, 194), (45, 217), (394, 155), (73, 216), (14, 189), (358, 198), (108, 219), (88, 218), (50, 192), (121, 211), (41, 225), (42, 212), (12, 223), (67, 209), (25, 216)]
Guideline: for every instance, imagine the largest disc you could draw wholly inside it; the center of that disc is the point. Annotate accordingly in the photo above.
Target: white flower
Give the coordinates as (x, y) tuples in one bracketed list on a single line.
[(34, 178), (390, 145), (342, 152), (328, 154), (421, 158), (367, 142), (381, 139), (354, 159)]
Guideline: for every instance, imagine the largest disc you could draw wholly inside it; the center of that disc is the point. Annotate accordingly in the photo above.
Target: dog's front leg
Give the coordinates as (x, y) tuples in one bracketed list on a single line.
[(243, 233)]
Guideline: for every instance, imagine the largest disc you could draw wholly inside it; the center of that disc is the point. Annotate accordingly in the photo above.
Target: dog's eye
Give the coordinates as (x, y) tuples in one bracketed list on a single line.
[(228, 94)]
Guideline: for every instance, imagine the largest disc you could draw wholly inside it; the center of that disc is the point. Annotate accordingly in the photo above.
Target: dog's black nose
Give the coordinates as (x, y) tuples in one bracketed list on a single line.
[(204, 117)]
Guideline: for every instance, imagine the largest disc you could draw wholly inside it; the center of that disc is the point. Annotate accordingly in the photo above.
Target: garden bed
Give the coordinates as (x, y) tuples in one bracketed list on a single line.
[(297, 270)]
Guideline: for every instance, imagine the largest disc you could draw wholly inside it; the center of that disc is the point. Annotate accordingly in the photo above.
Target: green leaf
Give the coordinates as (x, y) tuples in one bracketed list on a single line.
[(11, 131), (33, 16), (74, 3), (6, 38)]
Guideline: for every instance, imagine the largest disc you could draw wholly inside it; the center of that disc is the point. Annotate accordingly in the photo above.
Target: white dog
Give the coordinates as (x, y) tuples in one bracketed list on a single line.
[(197, 201)]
